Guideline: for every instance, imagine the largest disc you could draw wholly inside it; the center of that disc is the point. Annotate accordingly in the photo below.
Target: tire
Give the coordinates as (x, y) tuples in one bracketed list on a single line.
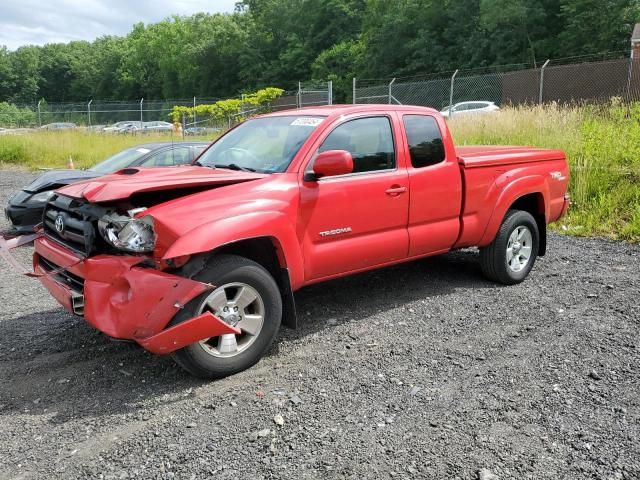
[(494, 259), (216, 359)]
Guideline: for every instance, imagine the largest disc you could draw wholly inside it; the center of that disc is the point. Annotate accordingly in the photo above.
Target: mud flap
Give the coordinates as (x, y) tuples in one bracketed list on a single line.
[(289, 315)]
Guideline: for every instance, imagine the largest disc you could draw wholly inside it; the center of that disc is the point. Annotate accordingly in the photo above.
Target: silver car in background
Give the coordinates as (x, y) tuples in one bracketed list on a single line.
[(123, 127), (59, 126), (158, 126)]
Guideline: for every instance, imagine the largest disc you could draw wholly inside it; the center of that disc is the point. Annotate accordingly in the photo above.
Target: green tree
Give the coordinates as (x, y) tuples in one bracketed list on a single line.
[(25, 65), (340, 63), (592, 26), (7, 86), (281, 42)]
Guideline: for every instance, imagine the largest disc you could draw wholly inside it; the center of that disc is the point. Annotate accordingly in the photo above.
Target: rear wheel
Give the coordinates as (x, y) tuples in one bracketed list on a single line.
[(511, 255), (247, 297)]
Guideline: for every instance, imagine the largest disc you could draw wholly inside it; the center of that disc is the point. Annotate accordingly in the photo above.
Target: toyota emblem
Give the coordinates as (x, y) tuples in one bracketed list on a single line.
[(59, 224)]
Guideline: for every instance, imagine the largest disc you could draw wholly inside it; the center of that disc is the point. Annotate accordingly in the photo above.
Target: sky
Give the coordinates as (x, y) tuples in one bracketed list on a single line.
[(36, 22)]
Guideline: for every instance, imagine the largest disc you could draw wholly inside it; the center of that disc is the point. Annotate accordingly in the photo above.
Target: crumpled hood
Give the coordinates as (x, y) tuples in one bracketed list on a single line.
[(54, 178), (123, 183)]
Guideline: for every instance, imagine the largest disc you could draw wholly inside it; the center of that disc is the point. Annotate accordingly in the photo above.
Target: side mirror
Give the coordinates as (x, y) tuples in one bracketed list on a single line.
[(330, 164)]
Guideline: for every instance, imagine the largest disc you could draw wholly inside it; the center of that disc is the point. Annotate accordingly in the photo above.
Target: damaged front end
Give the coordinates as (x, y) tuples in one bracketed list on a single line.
[(124, 298), (96, 261)]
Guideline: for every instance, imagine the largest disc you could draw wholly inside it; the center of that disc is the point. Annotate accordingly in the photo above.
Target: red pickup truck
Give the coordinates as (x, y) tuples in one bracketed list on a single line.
[(202, 261)]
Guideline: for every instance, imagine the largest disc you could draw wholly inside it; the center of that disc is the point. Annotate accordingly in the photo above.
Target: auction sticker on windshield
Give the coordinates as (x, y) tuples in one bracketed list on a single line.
[(307, 121)]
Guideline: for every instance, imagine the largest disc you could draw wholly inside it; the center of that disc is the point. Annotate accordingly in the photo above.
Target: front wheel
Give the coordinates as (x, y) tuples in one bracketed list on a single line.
[(511, 255), (247, 297)]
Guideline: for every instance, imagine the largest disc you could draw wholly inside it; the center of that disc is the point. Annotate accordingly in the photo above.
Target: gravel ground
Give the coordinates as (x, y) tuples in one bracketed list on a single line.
[(423, 370)]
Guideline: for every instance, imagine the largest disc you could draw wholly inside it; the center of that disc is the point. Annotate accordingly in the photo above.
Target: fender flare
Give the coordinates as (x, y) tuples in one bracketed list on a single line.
[(274, 225), (512, 192)]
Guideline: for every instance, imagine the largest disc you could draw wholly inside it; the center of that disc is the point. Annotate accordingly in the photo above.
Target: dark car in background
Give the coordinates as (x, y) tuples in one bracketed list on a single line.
[(25, 207)]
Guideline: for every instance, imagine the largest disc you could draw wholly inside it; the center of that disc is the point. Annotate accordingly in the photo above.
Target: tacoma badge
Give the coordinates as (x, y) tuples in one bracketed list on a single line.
[(336, 231)]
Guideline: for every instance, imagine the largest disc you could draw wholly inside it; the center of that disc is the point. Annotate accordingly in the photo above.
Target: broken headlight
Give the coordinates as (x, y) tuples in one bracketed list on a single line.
[(127, 233)]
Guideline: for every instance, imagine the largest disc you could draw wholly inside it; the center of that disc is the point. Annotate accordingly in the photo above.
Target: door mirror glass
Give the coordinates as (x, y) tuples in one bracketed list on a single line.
[(332, 162)]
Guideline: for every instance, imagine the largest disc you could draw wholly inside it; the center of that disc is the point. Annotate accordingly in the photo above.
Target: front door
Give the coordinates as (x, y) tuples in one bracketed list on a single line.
[(356, 221)]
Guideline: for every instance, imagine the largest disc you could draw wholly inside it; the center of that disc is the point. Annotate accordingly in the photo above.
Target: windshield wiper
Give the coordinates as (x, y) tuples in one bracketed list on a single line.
[(235, 166)]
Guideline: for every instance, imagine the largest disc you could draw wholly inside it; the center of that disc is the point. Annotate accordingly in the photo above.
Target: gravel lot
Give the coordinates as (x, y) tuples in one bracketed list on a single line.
[(423, 370)]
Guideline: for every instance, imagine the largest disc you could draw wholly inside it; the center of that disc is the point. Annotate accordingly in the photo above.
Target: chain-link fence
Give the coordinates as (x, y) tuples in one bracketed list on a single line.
[(583, 82), (101, 113), (96, 114), (305, 96)]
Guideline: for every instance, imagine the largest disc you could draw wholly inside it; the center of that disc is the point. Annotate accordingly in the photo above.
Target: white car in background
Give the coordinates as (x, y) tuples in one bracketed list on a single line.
[(470, 108)]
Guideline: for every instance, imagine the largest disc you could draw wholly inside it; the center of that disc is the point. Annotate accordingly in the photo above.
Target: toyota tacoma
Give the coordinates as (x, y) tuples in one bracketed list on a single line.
[(201, 261)]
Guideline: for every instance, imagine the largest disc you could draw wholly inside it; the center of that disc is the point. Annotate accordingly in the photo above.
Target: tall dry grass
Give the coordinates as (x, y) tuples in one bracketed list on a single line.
[(47, 149), (603, 148)]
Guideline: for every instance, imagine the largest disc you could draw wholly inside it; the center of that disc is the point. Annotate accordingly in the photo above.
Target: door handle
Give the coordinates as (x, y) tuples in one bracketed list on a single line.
[(395, 190)]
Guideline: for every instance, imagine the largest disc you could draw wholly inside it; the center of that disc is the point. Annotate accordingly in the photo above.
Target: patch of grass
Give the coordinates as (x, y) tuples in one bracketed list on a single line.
[(603, 149), (53, 149)]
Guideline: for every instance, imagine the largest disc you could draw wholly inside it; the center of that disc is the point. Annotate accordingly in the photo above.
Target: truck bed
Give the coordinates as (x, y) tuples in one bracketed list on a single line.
[(488, 176)]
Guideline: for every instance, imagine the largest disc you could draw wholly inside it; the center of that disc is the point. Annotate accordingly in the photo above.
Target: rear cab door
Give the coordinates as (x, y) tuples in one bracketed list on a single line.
[(356, 221), (435, 183)]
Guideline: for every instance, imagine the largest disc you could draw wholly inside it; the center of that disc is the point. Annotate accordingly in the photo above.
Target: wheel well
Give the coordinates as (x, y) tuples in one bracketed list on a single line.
[(534, 204), (262, 250), (267, 252)]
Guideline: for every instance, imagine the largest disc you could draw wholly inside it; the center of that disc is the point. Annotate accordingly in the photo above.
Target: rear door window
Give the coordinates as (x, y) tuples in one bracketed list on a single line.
[(425, 140)]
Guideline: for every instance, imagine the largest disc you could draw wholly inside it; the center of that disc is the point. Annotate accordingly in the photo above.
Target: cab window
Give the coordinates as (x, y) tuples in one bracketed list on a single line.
[(169, 157), (368, 140), (425, 140), (198, 149)]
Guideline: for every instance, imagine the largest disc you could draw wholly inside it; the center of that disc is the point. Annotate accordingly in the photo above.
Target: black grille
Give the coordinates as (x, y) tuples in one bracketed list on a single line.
[(74, 282), (67, 221)]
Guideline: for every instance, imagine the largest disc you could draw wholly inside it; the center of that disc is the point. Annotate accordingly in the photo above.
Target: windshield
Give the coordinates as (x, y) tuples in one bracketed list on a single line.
[(265, 145), (120, 160)]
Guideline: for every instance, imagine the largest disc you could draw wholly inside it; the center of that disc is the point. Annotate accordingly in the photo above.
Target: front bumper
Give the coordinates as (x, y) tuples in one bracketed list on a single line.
[(123, 299)]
